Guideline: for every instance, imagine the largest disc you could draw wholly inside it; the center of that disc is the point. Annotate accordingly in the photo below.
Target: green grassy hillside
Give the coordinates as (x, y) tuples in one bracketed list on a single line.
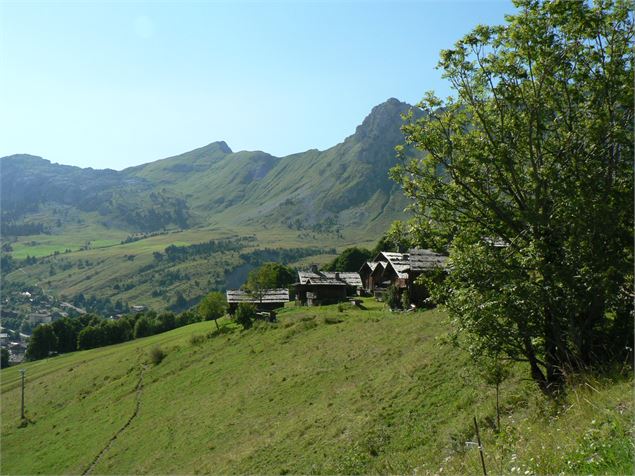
[(321, 391), (73, 220)]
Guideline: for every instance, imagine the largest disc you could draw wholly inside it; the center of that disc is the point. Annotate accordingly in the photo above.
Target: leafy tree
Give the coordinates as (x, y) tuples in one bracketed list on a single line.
[(187, 317), (392, 297), (271, 275), (4, 358), (43, 341), (143, 327), (245, 314), (212, 307), (351, 259), (165, 321), (7, 263), (66, 331), (529, 173), (91, 337), (114, 332), (268, 276), (180, 302), (494, 371)]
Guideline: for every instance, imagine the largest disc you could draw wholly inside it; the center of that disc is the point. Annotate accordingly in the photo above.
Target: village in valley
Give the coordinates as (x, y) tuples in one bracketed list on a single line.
[(394, 274), (399, 271)]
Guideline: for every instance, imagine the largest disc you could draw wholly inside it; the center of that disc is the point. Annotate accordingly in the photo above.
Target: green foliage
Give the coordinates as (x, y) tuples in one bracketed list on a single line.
[(43, 341), (351, 259), (89, 338), (245, 314), (405, 299), (180, 302), (528, 171), (187, 317), (156, 355), (212, 307), (268, 276), (392, 297), (143, 327), (4, 358), (166, 321)]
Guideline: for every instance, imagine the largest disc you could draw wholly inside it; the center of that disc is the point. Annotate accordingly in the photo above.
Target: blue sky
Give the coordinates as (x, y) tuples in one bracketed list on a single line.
[(115, 84)]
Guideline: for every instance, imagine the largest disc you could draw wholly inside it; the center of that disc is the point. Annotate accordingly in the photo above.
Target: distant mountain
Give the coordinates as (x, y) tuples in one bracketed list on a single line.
[(346, 185)]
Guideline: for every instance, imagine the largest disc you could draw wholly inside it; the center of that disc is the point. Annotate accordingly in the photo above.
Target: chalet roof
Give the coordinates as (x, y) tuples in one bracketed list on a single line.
[(280, 295), (371, 264), (350, 278), (426, 260), (380, 266), (304, 276), (324, 281), (323, 277), (395, 259), (398, 261)]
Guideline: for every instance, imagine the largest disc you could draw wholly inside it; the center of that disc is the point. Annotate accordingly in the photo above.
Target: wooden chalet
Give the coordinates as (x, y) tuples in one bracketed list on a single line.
[(266, 300), (365, 273), (315, 288), (395, 269)]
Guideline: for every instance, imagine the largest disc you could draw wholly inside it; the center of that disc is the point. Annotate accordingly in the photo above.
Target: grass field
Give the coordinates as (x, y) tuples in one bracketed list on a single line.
[(110, 268), (321, 391)]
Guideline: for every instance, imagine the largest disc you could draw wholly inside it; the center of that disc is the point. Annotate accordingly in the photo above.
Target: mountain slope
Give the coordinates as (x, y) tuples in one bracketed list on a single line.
[(344, 186), (321, 392)]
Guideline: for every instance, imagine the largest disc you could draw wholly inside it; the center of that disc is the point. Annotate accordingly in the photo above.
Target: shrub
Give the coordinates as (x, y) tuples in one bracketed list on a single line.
[(196, 339), (405, 299), (245, 314), (392, 297), (156, 355)]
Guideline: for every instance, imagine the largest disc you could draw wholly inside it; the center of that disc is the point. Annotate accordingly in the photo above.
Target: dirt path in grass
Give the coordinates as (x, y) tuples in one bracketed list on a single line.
[(123, 428)]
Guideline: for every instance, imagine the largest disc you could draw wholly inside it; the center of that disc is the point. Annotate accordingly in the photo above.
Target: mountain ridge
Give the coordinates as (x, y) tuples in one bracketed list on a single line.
[(346, 184)]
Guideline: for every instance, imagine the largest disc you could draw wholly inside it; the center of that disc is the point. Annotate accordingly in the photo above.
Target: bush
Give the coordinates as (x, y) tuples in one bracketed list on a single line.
[(405, 299), (197, 339), (245, 314), (392, 297), (186, 318), (156, 355)]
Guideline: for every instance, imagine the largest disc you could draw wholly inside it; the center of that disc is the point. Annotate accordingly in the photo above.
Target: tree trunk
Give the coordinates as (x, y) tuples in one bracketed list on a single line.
[(553, 354), (498, 413), (536, 373)]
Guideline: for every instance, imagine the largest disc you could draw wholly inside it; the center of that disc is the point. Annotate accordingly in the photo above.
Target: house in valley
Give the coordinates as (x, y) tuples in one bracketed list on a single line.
[(388, 268), (366, 272), (400, 270), (315, 288), (264, 300)]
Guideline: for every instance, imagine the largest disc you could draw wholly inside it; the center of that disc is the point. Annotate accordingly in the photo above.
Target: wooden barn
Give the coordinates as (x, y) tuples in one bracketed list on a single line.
[(267, 300), (395, 270), (315, 288)]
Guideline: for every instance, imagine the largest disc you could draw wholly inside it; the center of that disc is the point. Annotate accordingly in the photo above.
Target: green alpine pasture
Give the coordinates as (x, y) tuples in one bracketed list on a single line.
[(324, 390)]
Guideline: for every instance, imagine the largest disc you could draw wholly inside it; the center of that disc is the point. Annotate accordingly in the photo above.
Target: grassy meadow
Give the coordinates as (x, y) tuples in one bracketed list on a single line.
[(127, 271), (323, 390)]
